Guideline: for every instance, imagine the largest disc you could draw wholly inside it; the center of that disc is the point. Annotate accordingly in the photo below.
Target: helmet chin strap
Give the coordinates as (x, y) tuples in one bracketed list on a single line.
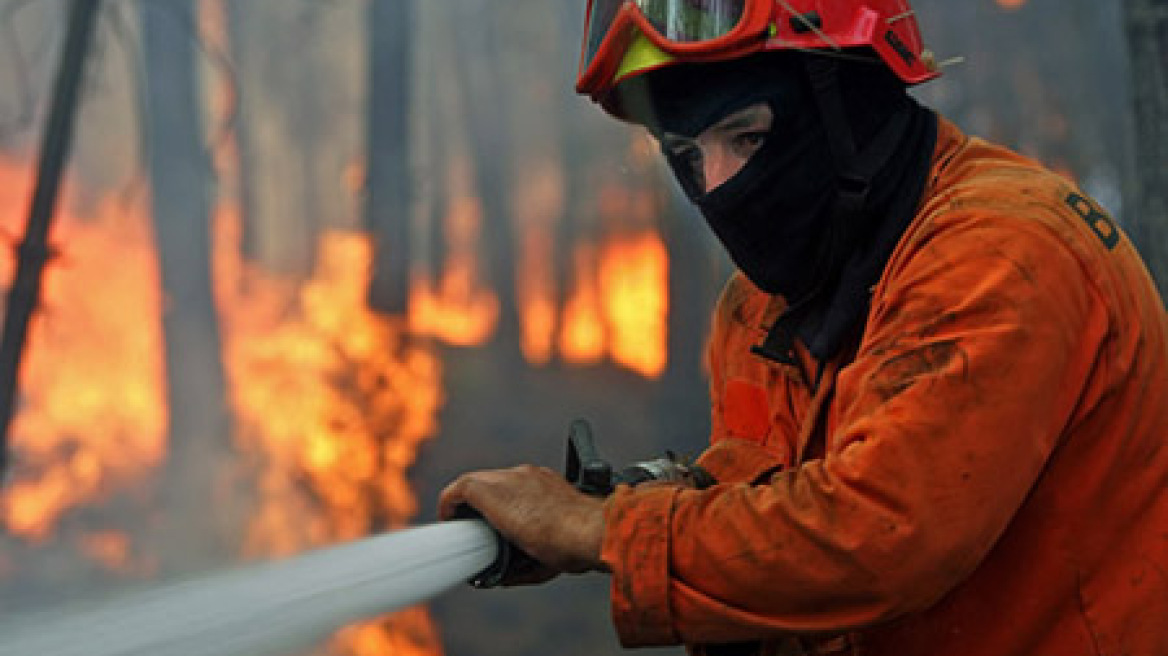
[(855, 170)]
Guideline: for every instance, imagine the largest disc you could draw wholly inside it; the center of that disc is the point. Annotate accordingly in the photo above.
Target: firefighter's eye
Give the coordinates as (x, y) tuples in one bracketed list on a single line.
[(748, 143)]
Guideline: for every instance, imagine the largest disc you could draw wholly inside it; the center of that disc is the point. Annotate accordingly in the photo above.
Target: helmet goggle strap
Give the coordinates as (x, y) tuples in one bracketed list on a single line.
[(692, 29), (855, 168)]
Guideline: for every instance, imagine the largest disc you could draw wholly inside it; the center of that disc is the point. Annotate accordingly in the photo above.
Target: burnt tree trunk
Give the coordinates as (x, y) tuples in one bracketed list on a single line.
[(34, 251), (1147, 29), (238, 18), (180, 174), (389, 181), (433, 191), (486, 110)]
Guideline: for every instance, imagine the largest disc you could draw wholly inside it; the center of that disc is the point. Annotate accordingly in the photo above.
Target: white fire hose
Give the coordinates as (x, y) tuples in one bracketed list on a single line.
[(279, 608), (264, 610)]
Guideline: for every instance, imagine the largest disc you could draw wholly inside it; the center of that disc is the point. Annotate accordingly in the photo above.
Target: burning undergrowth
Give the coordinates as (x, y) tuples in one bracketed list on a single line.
[(330, 402)]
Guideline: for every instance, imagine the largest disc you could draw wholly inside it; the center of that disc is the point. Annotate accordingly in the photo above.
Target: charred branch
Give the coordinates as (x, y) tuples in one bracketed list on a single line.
[(33, 252)]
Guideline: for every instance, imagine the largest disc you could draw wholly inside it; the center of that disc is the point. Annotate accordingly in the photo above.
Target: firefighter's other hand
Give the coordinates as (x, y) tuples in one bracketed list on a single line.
[(538, 511)]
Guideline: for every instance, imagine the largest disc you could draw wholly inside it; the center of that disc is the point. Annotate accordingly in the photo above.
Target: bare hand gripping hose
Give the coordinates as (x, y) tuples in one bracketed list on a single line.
[(264, 610)]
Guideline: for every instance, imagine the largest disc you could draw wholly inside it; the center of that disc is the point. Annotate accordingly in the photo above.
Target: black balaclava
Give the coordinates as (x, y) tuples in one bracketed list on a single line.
[(788, 219)]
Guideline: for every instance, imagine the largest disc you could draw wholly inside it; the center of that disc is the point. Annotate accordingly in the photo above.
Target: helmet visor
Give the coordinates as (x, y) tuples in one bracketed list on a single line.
[(676, 21)]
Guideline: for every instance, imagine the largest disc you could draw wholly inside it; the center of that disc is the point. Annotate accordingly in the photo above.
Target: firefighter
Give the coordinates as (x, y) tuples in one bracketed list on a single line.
[(939, 376)]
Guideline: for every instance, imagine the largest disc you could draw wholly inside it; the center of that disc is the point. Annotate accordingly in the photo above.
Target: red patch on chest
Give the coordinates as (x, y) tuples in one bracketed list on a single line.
[(745, 411)]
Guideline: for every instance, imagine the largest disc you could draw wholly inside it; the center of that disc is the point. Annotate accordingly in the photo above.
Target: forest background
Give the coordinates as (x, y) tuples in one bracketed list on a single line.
[(316, 257)]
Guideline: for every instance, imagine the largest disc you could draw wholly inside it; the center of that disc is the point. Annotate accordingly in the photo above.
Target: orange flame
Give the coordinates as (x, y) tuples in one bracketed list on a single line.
[(634, 276), (538, 200), (537, 291), (457, 309), (582, 333), (331, 402), (91, 416), (330, 399), (410, 632), (622, 309)]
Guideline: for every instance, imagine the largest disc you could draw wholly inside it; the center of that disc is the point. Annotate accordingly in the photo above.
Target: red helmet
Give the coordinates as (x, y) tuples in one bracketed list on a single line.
[(626, 38)]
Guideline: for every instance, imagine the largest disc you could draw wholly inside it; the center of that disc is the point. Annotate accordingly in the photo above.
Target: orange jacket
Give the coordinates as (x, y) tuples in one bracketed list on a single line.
[(986, 474)]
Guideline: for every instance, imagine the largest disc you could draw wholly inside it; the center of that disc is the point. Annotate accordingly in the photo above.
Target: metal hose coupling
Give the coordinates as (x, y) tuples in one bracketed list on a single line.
[(507, 558), (592, 475)]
